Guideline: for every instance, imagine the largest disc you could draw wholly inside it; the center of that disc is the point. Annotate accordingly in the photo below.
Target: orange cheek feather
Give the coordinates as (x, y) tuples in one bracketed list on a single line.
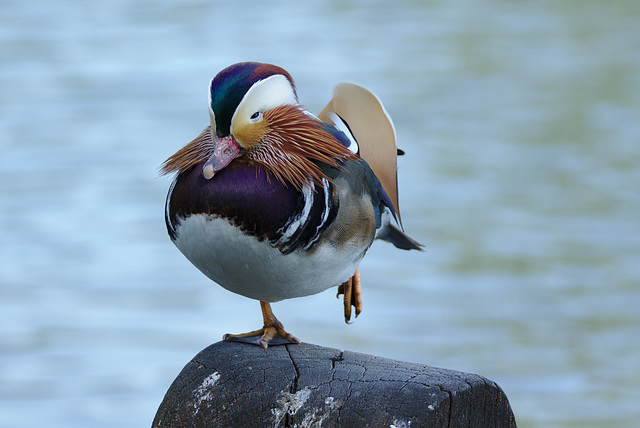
[(250, 134)]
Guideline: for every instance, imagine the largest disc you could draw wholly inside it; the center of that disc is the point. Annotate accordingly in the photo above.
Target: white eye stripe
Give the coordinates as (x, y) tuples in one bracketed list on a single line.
[(263, 96), (212, 115)]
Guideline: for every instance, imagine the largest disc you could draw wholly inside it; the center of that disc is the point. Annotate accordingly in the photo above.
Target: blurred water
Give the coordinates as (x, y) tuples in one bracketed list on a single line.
[(521, 123)]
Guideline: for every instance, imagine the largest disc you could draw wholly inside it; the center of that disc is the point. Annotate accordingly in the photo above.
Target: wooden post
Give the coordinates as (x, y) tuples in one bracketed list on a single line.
[(238, 385)]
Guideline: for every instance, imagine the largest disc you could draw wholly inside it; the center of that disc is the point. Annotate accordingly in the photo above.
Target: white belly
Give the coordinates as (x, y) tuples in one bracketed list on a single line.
[(254, 269)]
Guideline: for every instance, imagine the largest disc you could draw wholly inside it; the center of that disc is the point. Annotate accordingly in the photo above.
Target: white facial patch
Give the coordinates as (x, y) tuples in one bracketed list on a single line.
[(263, 96), (212, 115)]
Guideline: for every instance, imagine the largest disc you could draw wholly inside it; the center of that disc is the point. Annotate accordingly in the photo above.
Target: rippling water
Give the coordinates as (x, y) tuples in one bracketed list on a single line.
[(521, 123)]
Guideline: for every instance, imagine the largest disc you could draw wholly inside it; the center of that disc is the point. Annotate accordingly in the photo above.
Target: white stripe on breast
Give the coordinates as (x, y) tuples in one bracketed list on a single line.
[(293, 226), (325, 214), (167, 208)]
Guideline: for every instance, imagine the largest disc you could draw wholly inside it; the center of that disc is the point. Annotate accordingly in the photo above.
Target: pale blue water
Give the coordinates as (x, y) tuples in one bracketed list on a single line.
[(521, 123)]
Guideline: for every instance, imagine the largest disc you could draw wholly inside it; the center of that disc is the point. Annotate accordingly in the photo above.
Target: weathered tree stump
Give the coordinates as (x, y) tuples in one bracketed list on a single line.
[(236, 385)]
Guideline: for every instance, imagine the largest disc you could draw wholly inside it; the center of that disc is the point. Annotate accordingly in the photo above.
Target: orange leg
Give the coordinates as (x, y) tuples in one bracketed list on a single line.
[(352, 290), (272, 328)]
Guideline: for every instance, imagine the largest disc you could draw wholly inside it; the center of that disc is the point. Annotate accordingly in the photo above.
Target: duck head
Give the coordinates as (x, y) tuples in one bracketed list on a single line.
[(255, 118)]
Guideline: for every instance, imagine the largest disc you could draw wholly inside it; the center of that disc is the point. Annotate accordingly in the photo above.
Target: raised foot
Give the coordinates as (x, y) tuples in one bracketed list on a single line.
[(352, 290)]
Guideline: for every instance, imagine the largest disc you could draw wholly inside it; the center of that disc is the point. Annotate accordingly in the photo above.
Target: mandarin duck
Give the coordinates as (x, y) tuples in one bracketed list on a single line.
[(272, 202)]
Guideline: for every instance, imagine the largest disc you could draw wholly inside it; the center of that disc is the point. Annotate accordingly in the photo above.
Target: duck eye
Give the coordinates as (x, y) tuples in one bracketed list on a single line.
[(255, 115)]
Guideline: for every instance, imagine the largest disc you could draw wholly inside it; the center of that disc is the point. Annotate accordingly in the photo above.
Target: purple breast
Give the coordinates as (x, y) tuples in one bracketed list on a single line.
[(248, 195)]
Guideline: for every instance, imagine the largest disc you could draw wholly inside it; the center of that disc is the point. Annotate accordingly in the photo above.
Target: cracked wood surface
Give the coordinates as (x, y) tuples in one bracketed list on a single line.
[(236, 384)]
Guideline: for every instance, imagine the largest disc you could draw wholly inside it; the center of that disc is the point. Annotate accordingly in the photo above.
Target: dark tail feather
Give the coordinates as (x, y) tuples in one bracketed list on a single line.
[(398, 238)]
